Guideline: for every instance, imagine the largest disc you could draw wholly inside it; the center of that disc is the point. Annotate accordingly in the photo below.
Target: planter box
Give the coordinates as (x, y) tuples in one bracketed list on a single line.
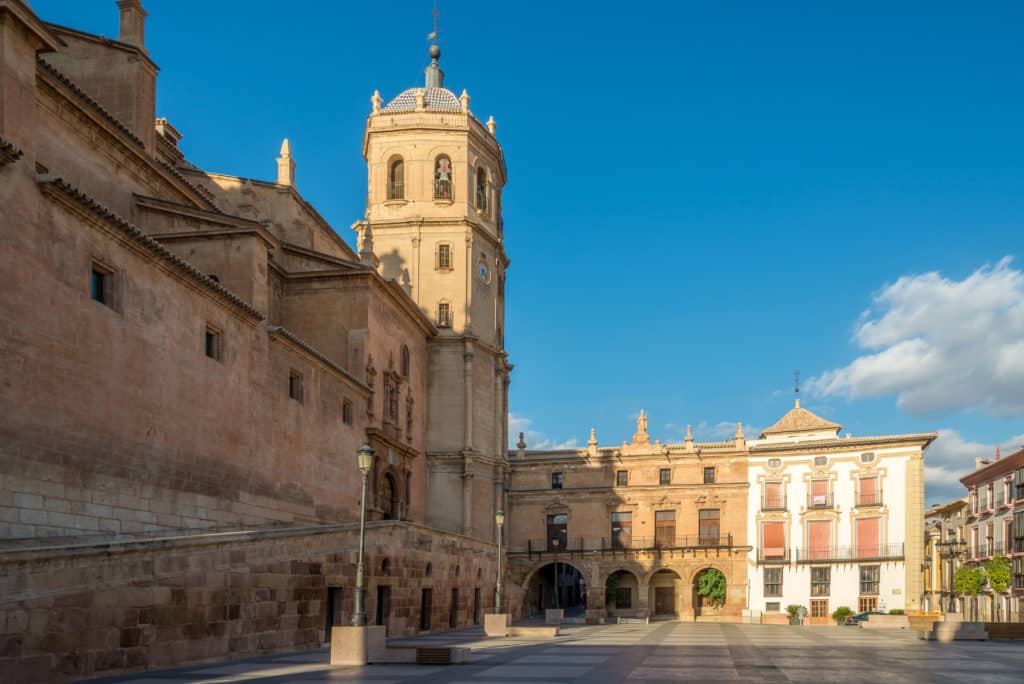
[(886, 622), (496, 624), (553, 616)]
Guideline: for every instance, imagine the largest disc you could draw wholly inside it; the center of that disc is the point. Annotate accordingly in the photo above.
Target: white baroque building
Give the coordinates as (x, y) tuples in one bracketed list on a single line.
[(834, 521)]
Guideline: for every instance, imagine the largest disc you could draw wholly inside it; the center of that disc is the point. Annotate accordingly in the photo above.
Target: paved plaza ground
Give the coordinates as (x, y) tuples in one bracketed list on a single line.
[(658, 652)]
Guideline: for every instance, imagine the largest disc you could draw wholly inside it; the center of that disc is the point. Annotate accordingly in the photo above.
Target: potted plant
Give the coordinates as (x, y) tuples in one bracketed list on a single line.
[(794, 611)]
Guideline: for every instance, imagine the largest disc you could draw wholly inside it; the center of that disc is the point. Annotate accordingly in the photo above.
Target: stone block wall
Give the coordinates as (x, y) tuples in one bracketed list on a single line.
[(83, 611)]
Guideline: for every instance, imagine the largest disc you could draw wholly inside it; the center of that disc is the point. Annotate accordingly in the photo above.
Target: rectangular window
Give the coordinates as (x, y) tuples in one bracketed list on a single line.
[(444, 257), (665, 476), (622, 529), (869, 579), (444, 315), (295, 385), (453, 610), (623, 597), (664, 528), (867, 603), (819, 608), (709, 475), (868, 493), (621, 478), (819, 494), (821, 579), (1018, 572), (773, 581), (772, 607), (556, 480), (708, 527), (773, 540), (102, 285), (819, 539), (346, 412), (773, 499), (212, 343), (1018, 531), (989, 497), (869, 538), (1018, 483), (557, 531)]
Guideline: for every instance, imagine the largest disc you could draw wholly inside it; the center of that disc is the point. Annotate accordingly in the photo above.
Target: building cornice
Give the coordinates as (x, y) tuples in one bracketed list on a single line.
[(234, 225), (922, 439), (9, 152), (105, 42), (996, 469), (37, 27), (81, 203), (297, 344)]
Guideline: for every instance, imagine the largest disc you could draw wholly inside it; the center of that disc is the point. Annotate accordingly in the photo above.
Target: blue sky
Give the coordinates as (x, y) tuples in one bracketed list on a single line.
[(702, 196)]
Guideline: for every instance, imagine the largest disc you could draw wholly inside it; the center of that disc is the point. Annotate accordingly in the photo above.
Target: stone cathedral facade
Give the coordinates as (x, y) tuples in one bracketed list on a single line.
[(191, 359)]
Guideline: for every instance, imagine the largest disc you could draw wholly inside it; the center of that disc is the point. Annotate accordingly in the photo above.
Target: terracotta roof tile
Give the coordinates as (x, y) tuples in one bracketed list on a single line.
[(800, 420)]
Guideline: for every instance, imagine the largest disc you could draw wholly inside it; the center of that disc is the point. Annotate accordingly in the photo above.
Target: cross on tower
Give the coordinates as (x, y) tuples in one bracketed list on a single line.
[(796, 382), (433, 34)]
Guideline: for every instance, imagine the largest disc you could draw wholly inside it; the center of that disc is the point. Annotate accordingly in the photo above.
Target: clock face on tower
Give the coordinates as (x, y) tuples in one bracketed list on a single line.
[(483, 272)]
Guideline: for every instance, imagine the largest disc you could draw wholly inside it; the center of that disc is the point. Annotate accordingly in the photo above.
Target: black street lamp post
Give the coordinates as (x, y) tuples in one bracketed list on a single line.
[(365, 456)]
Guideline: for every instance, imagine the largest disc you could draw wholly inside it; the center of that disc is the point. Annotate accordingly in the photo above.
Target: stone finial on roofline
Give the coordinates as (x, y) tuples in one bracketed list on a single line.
[(492, 126), (286, 165), (464, 101), (377, 100), (420, 101)]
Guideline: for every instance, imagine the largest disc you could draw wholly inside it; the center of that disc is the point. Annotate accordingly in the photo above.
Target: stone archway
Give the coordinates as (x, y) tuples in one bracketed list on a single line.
[(622, 594), (555, 585), (665, 593), (702, 607)]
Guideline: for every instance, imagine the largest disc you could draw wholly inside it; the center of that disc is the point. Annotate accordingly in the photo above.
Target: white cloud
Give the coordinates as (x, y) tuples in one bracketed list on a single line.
[(940, 344), (534, 439), (951, 457)]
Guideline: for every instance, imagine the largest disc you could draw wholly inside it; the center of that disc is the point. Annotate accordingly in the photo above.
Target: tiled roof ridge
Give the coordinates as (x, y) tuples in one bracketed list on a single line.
[(313, 351), (150, 244), (799, 419), (434, 99), (201, 192), (9, 152), (85, 97)]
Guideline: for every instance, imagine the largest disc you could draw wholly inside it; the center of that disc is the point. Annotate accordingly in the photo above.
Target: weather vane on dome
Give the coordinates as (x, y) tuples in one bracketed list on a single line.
[(432, 36), (796, 382)]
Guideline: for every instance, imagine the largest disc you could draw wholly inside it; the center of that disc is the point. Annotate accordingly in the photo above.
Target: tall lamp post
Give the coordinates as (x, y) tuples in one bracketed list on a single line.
[(555, 543), (499, 518), (365, 456), (951, 550)]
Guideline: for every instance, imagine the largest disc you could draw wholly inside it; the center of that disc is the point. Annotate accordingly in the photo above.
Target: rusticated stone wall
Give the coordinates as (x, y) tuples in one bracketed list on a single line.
[(81, 611)]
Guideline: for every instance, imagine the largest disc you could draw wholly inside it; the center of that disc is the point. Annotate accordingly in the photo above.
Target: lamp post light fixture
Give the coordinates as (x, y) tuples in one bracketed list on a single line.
[(952, 550), (499, 518), (365, 457), (555, 543)]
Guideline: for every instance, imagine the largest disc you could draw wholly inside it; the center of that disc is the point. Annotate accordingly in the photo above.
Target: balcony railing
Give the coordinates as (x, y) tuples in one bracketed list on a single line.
[(575, 545), (442, 189), (774, 502), (988, 549), (819, 500), (869, 498), (396, 190), (773, 555), (850, 553)]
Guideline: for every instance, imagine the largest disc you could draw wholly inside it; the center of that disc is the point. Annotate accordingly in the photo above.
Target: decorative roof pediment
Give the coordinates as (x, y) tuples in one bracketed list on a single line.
[(800, 420)]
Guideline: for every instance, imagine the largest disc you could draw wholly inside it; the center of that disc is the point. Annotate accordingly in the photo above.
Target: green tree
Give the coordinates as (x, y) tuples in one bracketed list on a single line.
[(711, 585), (968, 581), (998, 572)]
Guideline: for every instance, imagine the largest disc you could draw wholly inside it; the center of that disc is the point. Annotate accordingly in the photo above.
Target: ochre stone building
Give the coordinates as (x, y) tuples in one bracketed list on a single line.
[(626, 531), (192, 358)]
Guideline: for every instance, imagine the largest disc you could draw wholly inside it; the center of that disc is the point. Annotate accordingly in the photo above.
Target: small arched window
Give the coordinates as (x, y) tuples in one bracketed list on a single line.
[(443, 177), (405, 362), (481, 189), (389, 502), (396, 179)]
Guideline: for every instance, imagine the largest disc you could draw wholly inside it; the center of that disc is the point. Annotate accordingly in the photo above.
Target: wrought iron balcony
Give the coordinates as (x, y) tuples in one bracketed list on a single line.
[(442, 189), (773, 555), (839, 554), (774, 502), (577, 545), (396, 190), (865, 499)]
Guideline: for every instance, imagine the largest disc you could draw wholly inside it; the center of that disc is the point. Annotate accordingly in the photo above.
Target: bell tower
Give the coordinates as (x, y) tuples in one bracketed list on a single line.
[(433, 224)]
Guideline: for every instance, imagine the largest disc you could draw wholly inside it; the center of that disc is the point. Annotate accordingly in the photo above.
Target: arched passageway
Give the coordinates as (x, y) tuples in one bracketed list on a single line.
[(709, 604), (556, 585), (665, 594), (622, 594)]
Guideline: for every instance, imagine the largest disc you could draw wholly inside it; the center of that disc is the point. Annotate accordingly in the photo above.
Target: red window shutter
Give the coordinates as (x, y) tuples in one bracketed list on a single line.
[(868, 490), (868, 537), (773, 494), (773, 539), (819, 538)]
